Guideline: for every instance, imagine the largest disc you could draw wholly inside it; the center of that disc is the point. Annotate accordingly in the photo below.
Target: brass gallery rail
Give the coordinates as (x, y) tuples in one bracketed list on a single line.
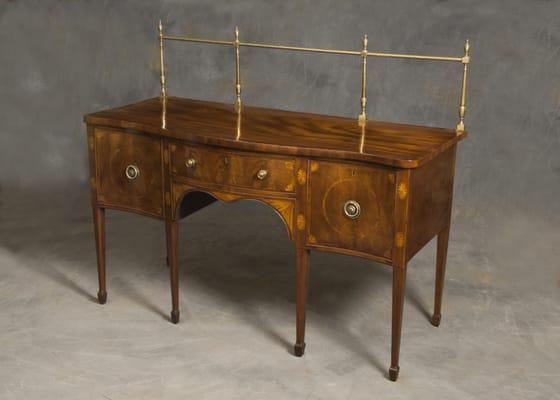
[(364, 54)]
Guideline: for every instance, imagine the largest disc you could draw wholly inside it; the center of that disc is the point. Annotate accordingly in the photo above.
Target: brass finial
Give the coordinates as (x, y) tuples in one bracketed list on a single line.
[(466, 58), (237, 74), (363, 99), (463, 105)]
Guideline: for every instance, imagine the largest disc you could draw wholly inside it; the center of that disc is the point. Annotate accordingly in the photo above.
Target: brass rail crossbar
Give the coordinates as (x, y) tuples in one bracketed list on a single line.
[(364, 54)]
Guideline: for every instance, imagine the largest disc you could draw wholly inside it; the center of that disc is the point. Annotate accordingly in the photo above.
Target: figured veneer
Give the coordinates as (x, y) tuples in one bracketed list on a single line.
[(233, 169), (282, 132), (331, 186)]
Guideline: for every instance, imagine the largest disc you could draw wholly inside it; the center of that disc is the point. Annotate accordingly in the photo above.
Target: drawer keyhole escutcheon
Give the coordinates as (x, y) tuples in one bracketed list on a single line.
[(132, 172), (190, 163), (352, 209), (262, 174)]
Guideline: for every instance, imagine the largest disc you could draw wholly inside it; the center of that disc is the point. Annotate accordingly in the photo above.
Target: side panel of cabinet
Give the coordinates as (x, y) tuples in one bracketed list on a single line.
[(431, 191), (140, 191), (331, 186)]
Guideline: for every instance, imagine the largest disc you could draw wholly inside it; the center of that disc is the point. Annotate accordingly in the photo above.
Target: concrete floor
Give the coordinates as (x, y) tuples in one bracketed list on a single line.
[(499, 336)]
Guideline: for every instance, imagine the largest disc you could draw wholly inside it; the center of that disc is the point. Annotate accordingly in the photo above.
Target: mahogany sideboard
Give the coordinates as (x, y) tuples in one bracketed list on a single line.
[(378, 190)]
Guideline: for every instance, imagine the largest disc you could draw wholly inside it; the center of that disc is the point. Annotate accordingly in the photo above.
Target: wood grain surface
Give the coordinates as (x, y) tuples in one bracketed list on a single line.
[(282, 132)]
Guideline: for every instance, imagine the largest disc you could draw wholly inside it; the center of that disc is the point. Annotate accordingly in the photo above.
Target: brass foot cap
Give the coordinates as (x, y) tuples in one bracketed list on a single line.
[(175, 316), (436, 319), (394, 373), (102, 297), (299, 349)]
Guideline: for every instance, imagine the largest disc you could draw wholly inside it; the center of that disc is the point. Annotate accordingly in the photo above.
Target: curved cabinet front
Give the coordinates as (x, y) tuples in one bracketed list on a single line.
[(129, 171), (351, 207)]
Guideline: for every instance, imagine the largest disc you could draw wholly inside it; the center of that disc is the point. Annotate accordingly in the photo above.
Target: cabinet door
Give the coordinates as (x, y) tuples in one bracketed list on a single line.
[(129, 171), (351, 207)]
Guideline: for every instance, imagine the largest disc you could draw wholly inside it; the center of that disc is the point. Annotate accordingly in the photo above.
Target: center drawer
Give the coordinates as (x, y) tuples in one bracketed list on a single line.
[(240, 169)]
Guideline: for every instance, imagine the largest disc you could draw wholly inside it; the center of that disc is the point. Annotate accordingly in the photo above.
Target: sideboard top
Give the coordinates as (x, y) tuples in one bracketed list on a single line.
[(282, 132)]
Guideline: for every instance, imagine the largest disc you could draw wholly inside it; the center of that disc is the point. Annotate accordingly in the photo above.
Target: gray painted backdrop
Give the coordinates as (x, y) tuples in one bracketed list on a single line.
[(62, 59)]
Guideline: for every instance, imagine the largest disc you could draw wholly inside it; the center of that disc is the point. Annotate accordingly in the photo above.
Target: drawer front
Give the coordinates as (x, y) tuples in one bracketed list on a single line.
[(129, 171), (351, 207), (244, 170)]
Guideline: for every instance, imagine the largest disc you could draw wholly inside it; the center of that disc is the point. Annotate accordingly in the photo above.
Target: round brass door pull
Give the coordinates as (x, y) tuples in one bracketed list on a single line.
[(262, 174), (352, 209), (191, 162), (132, 172)]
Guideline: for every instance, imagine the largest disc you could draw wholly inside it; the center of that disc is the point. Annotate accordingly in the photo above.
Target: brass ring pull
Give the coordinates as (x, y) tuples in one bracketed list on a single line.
[(262, 174), (352, 209), (132, 172), (191, 162)]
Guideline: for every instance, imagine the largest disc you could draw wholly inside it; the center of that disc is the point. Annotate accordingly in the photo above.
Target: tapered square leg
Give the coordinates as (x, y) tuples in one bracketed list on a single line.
[(399, 284), (99, 229), (172, 239), (167, 246), (442, 244), (302, 284)]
